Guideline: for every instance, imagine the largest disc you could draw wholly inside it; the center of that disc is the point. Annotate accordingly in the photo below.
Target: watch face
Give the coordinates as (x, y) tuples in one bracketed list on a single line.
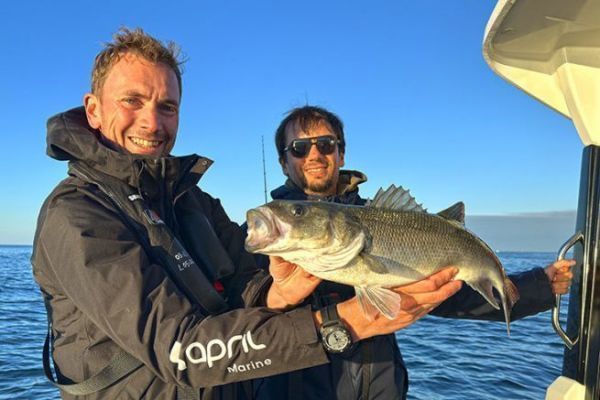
[(337, 340)]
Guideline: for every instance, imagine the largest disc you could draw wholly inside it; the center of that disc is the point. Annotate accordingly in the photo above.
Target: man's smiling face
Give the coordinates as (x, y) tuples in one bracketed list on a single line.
[(315, 174), (137, 108)]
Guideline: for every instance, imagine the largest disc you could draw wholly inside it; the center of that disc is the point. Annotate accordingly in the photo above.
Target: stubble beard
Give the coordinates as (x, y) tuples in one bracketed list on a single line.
[(318, 187)]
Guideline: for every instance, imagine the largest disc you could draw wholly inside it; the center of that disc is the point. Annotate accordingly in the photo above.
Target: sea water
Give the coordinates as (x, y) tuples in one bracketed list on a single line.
[(447, 359)]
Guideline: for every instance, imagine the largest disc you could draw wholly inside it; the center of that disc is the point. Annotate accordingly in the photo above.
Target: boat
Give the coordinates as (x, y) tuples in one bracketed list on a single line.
[(550, 49)]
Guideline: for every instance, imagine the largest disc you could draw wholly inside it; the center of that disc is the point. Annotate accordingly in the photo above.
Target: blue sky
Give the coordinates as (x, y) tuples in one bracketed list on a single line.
[(421, 107)]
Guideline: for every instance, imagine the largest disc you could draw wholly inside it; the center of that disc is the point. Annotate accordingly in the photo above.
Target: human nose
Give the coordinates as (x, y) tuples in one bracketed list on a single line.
[(313, 152), (150, 119)]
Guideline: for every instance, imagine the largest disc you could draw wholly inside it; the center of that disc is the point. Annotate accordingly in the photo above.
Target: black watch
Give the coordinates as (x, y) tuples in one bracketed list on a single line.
[(334, 335)]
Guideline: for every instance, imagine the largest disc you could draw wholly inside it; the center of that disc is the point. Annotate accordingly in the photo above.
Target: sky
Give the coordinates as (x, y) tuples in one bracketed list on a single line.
[(421, 107)]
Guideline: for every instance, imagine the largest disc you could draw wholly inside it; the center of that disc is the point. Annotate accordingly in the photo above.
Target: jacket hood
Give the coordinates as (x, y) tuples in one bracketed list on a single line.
[(71, 138), (347, 190)]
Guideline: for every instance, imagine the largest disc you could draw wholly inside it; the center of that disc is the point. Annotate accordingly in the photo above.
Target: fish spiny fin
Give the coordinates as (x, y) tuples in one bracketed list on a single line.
[(386, 301), (455, 212), (368, 309), (510, 295), (395, 198)]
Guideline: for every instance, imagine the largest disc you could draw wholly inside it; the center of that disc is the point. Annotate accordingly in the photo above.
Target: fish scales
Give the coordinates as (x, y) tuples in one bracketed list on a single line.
[(415, 245), (379, 246)]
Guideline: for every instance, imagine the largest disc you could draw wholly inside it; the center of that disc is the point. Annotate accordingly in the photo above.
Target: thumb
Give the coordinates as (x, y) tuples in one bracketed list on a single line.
[(279, 268)]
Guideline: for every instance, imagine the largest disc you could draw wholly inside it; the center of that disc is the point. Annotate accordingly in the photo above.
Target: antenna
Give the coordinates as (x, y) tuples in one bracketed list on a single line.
[(262, 138)]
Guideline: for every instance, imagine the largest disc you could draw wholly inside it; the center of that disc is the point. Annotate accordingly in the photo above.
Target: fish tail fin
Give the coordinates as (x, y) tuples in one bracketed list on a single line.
[(375, 299), (510, 295)]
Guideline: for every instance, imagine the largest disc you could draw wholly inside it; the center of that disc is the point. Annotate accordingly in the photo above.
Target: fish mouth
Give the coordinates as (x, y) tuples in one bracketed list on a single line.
[(264, 229)]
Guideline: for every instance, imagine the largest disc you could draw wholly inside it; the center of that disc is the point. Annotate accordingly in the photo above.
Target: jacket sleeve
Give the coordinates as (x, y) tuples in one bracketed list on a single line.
[(99, 266), (535, 296)]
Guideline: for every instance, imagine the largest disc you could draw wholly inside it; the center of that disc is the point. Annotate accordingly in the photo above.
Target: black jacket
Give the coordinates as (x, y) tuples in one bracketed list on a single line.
[(374, 368), (105, 292)]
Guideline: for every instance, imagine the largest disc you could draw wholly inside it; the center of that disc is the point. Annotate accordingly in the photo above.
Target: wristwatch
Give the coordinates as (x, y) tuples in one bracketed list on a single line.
[(334, 335)]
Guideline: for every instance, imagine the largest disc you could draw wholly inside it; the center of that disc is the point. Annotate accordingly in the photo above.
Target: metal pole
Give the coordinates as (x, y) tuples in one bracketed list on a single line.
[(262, 138)]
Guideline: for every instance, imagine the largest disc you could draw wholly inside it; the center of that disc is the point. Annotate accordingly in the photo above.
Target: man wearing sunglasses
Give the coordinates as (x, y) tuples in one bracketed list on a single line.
[(311, 146)]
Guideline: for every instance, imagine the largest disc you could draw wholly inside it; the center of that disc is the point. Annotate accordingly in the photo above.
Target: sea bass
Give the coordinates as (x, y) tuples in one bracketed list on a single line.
[(392, 241)]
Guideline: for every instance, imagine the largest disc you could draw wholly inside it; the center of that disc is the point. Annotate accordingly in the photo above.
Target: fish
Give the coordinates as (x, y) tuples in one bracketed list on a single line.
[(391, 241)]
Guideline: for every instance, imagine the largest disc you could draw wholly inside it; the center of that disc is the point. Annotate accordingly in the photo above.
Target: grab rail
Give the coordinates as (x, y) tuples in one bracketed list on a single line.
[(577, 237)]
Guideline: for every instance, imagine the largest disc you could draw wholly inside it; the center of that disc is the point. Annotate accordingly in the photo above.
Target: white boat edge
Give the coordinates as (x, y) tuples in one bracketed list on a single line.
[(564, 388), (549, 50)]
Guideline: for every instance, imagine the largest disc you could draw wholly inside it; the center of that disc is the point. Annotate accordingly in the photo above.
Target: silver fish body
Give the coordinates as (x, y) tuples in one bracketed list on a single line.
[(374, 248)]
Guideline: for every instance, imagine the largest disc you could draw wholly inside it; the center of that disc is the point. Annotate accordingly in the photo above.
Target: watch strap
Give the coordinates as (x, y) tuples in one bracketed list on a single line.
[(330, 314), (331, 327)]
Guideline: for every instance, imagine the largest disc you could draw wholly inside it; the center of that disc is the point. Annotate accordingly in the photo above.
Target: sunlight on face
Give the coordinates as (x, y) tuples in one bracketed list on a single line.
[(137, 109), (316, 174)]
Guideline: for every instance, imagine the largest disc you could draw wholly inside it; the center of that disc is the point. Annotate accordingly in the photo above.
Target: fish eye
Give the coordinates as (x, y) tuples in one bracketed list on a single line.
[(298, 210)]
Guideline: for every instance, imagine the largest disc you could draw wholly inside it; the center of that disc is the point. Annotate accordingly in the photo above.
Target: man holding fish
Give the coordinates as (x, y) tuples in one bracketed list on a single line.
[(358, 258)]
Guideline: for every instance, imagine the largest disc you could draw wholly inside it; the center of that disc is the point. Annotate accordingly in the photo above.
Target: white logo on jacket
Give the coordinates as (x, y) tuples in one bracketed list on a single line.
[(214, 350)]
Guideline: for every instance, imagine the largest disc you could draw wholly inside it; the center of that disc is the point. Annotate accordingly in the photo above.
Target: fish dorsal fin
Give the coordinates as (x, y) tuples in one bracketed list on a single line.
[(455, 212), (395, 198)]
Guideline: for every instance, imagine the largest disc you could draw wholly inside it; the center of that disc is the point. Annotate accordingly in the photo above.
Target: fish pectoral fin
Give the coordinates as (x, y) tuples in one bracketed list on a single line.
[(386, 301), (368, 309)]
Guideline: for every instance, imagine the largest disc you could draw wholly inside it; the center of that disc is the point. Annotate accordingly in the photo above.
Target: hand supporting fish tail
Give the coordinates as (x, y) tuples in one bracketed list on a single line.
[(417, 300)]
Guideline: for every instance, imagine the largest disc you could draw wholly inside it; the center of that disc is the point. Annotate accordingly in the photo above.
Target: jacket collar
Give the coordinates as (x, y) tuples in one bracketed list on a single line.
[(71, 138), (347, 190)]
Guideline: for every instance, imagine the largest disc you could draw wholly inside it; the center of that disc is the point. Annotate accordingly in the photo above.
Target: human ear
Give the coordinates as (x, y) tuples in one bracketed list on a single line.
[(91, 102), (283, 166)]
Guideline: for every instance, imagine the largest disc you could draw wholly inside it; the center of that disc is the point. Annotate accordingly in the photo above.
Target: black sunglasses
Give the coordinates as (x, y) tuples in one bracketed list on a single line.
[(300, 148)]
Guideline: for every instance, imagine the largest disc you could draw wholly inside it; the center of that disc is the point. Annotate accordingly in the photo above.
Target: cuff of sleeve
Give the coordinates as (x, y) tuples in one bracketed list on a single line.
[(259, 297), (535, 291), (548, 298), (302, 320)]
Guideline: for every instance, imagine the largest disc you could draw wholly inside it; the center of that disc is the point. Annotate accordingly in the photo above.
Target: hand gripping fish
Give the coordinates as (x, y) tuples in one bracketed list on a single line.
[(392, 241)]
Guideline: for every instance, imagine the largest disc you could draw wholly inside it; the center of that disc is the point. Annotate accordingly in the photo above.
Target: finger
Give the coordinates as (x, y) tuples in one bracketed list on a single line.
[(567, 263), (439, 295), (564, 270), (560, 288), (276, 259), (563, 277), (431, 283), (420, 313), (295, 275), (417, 309), (302, 272), (278, 262), (406, 318)]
